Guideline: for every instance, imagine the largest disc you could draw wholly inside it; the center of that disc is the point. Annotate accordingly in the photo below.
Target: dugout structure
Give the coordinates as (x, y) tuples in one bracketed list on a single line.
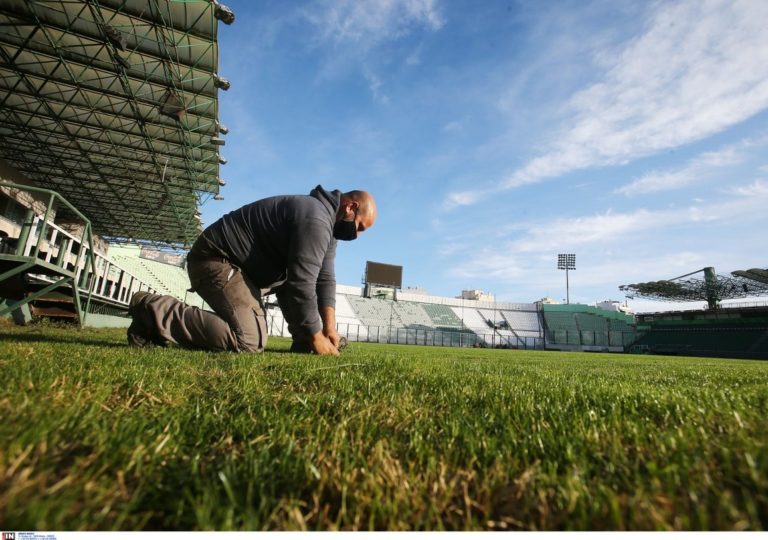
[(110, 106)]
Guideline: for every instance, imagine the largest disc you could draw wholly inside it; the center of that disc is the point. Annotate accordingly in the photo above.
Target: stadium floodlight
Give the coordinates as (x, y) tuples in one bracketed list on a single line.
[(216, 141), (221, 82), (222, 160), (223, 129), (218, 197), (566, 261), (223, 13)]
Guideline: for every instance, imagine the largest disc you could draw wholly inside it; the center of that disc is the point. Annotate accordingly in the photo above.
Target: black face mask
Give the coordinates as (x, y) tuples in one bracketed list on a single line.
[(345, 230)]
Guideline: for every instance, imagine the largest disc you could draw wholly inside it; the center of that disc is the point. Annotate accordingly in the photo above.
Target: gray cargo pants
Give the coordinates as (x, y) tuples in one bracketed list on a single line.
[(239, 324)]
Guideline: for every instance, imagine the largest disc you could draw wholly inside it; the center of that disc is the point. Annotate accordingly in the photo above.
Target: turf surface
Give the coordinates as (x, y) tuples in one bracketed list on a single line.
[(99, 436)]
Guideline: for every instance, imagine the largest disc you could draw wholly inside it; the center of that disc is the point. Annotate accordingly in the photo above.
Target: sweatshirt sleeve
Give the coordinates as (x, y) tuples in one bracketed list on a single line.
[(326, 279), (309, 244)]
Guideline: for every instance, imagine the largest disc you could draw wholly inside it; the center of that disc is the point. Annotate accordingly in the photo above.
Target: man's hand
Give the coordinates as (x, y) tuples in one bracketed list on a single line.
[(333, 336), (322, 345)]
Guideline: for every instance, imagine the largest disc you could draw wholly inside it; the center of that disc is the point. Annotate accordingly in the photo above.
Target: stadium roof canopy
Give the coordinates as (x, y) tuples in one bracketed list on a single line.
[(712, 287), (114, 105)]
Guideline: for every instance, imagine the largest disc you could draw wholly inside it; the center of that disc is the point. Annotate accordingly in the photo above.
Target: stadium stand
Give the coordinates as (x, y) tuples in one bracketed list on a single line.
[(706, 341), (344, 312), (372, 311), (50, 267), (164, 278), (720, 330), (523, 321), (581, 326), (561, 328), (731, 333), (472, 318), (443, 316), (419, 320), (412, 315), (347, 322), (501, 333), (593, 329)]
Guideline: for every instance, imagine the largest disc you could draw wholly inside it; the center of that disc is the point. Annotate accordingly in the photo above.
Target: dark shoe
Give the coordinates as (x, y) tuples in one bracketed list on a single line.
[(141, 332), (138, 336), (301, 347), (136, 299)]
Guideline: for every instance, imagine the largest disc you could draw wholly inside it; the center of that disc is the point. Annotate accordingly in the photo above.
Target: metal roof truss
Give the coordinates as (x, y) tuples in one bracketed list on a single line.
[(114, 104)]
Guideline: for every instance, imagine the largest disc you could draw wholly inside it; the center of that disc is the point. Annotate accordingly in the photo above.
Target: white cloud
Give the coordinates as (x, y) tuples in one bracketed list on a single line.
[(658, 181), (758, 188), (750, 201), (368, 23), (375, 85), (356, 31), (636, 229), (489, 264), (699, 68), (573, 232), (462, 198), (701, 167)]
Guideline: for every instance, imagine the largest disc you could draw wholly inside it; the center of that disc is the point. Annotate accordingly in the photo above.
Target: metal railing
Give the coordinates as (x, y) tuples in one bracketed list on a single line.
[(591, 338), (28, 253), (416, 336), (107, 281), (56, 258)]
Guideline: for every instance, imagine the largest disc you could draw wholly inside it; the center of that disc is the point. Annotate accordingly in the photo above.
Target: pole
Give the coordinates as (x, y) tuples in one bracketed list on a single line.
[(567, 261), (26, 228)]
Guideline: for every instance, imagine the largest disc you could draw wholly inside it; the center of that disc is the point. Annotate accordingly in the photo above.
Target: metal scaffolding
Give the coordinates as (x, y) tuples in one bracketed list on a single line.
[(712, 287), (114, 105)]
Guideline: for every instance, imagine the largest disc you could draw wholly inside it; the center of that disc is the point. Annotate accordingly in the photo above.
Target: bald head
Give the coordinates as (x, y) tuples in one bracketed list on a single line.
[(359, 206)]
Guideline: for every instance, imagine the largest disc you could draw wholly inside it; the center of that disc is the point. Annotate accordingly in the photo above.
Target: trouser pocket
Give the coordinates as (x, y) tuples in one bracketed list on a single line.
[(224, 288)]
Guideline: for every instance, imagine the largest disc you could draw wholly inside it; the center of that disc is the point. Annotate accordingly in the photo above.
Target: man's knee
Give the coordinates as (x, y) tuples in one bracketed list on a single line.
[(251, 330)]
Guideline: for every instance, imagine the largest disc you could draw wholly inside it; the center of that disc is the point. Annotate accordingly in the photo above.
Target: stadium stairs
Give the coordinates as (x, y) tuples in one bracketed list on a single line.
[(47, 273), (45, 267)]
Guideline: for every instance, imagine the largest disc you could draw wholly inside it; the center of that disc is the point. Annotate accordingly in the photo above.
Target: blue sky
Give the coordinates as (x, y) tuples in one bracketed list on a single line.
[(497, 134)]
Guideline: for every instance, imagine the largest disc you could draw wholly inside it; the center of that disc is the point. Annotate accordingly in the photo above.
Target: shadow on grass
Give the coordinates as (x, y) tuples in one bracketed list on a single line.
[(38, 338), (34, 335)]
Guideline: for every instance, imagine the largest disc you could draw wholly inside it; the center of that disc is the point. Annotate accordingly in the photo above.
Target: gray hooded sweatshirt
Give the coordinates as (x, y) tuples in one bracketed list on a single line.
[(284, 241)]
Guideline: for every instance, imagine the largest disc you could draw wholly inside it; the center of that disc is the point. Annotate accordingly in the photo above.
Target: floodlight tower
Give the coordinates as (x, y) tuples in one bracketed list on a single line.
[(566, 261)]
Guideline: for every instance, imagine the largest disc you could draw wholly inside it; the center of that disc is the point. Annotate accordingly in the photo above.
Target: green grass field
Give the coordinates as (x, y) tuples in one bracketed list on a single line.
[(99, 436)]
